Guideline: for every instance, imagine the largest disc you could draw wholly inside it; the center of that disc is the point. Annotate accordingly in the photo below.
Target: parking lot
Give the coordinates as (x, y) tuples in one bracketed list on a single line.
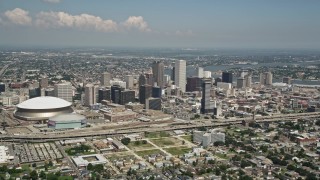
[(35, 152)]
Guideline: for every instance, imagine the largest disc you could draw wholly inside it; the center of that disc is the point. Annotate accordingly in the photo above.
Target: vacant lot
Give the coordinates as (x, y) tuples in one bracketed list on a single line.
[(148, 152), (163, 142), (178, 150), (139, 145)]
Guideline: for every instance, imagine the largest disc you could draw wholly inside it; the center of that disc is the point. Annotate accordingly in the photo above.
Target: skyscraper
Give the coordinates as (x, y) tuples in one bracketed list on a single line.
[(180, 74), (115, 93), (158, 73), (156, 92), (129, 81), (241, 82), (142, 80), (127, 96), (200, 72), (227, 77), (205, 101), (105, 79), (44, 82), (91, 94), (266, 78), (63, 91), (193, 84), (145, 91), (104, 94)]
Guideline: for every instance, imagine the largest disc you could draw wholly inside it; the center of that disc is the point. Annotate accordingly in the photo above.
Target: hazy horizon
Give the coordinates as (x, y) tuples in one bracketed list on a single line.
[(247, 24)]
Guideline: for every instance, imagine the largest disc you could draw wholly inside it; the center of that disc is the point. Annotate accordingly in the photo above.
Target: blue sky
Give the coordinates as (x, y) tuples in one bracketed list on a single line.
[(166, 23)]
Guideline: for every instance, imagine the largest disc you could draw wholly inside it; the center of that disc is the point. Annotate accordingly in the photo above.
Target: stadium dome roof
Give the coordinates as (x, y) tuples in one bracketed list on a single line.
[(67, 117), (44, 102)]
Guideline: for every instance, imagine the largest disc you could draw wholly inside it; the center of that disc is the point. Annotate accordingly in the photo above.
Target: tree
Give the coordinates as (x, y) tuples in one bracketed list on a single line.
[(42, 175), (217, 171), (318, 122), (218, 143), (144, 142), (34, 165), (125, 141), (50, 163), (291, 167), (183, 142), (34, 175), (90, 167)]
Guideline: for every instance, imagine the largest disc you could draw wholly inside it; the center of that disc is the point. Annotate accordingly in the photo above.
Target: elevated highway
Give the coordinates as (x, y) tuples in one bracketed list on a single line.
[(41, 137)]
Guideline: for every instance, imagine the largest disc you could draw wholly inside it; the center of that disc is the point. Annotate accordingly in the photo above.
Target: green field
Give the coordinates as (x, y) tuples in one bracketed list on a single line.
[(138, 145), (178, 150), (187, 137), (169, 141), (65, 178), (157, 134), (148, 152)]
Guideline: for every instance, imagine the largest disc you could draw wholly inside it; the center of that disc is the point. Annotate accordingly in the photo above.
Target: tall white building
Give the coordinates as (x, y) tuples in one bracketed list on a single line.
[(63, 91), (266, 78), (129, 81), (180, 74), (90, 94), (200, 72), (105, 79)]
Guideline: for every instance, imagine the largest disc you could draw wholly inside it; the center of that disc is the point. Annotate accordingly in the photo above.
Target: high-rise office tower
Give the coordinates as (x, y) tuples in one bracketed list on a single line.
[(173, 73), (44, 82), (206, 106), (63, 91), (142, 80), (266, 78), (91, 94), (104, 94), (193, 84), (200, 72), (158, 73), (149, 79), (180, 74), (153, 103), (105, 79), (115, 93), (248, 79), (286, 80), (129, 81), (227, 77), (145, 91), (2, 87), (156, 92), (241, 82), (127, 96)]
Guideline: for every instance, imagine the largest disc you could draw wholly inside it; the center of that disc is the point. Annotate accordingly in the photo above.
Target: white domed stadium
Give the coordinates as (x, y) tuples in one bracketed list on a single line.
[(67, 121), (42, 108)]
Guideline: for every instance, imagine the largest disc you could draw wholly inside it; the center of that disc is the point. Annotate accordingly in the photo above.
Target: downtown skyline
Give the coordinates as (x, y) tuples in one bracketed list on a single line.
[(205, 24)]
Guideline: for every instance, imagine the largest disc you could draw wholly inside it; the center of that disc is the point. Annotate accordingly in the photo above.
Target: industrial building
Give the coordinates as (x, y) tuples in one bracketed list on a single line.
[(67, 121), (42, 108)]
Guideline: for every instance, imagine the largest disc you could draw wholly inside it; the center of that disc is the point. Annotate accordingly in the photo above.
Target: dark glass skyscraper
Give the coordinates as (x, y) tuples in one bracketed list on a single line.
[(158, 73), (205, 101), (227, 77), (145, 91)]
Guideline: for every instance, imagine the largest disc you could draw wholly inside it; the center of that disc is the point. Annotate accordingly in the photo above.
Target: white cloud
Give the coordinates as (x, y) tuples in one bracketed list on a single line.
[(82, 21), (18, 16), (184, 33), (52, 1), (57, 20), (137, 22)]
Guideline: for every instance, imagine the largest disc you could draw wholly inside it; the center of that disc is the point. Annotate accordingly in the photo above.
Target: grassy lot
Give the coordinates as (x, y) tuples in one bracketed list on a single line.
[(148, 152), (139, 145), (178, 150), (187, 137), (170, 141), (117, 156), (65, 178), (222, 156), (157, 134)]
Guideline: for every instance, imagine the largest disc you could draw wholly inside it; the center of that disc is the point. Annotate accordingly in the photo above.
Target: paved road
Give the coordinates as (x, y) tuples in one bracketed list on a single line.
[(74, 167)]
